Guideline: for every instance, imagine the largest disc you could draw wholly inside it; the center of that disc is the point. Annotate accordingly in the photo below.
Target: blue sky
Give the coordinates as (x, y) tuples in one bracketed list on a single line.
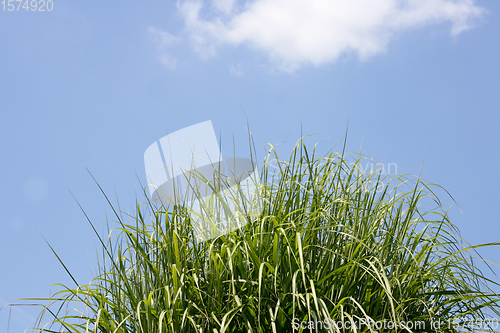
[(92, 85)]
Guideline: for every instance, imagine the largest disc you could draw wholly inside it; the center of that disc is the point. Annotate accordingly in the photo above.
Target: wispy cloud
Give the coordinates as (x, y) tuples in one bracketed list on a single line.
[(163, 40), (294, 33), (236, 70), (224, 6)]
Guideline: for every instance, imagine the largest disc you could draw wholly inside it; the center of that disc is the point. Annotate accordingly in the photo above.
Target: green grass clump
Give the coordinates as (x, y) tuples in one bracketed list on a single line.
[(332, 243)]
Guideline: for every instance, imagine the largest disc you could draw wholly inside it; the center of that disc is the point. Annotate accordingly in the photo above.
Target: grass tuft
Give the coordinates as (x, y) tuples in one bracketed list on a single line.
[(333, 242)]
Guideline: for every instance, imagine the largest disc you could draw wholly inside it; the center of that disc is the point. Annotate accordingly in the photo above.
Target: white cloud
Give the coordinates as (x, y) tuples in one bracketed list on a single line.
[(163, 40), (236, 70), (299, 32), (224, 6)]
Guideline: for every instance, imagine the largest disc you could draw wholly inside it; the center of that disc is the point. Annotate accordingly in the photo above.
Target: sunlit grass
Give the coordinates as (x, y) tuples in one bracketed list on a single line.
[(332, 242)]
